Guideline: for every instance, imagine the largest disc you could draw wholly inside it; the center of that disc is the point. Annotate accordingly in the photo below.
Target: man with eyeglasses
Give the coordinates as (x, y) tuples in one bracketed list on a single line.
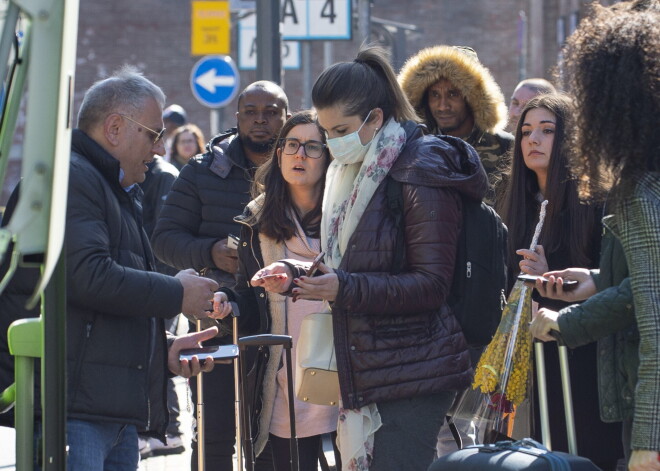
[(193, 229), (118, 355)]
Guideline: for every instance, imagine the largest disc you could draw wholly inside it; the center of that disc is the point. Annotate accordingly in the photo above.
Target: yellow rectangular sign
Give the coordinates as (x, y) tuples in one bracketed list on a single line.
[(210, 28)]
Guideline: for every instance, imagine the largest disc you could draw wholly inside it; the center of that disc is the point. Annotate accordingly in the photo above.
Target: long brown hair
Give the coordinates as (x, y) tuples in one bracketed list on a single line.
[(568, 225), (274, 217)]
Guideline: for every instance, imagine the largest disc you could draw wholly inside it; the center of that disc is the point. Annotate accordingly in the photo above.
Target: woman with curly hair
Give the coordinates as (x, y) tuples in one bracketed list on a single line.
[(613, 67)]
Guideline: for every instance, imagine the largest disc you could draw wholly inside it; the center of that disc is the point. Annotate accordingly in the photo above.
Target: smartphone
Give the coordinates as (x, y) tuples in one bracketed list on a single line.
[(232, 241), (220, 353), (568, 284), (315, 264), (272, 275)]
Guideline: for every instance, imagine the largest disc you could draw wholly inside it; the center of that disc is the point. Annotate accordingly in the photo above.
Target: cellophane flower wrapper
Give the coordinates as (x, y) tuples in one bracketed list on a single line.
[(502, 386)]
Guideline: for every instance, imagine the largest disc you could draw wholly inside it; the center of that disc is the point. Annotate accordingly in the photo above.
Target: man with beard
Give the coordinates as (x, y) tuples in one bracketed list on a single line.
[(193, 228), (454, 94)]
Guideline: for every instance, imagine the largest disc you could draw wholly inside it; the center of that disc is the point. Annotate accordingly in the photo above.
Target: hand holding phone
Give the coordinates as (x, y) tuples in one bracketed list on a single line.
[(219, 353), (567, 284)]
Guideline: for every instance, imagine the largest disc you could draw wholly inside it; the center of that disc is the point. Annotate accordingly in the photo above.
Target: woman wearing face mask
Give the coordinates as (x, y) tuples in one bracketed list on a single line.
[(400, 352), (283, 221)]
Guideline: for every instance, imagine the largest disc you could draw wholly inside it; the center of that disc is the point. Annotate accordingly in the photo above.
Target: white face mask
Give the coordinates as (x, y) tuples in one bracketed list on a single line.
[(349, 148)]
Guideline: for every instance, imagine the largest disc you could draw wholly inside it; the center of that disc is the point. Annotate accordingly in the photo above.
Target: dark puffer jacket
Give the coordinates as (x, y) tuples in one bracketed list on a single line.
[(211, 190), (116, 346), (395, 336)]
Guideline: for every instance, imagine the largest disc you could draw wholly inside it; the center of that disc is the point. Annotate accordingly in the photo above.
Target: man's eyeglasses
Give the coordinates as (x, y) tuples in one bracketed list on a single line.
[(158, 135), (313, 149)]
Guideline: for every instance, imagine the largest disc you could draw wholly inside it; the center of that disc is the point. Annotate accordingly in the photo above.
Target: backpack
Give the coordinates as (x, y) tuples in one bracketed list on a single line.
[(477, 295)]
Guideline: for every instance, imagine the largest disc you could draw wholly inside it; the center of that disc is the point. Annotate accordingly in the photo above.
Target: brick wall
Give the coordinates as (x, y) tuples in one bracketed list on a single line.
[(154, 35)]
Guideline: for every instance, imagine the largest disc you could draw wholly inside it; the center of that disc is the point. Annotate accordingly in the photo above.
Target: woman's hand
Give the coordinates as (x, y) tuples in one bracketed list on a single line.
[(543, 322), (533, 262), (221, 306), (644, 460), (554, 287), (275, 278), (324, 287)]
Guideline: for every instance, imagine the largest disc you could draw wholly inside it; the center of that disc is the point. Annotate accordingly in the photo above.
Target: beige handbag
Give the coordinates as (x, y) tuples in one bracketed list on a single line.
[(317, 381)]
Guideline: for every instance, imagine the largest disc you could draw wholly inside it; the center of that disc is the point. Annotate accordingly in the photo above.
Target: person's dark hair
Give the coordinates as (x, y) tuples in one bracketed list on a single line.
[(359, 86), (125, 92), (568, 225), (192, 129), (274, 217), (612, 68)]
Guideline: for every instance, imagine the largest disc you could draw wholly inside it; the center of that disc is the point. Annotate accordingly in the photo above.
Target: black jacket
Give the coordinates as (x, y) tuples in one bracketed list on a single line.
[(117, 351), (212, 189)]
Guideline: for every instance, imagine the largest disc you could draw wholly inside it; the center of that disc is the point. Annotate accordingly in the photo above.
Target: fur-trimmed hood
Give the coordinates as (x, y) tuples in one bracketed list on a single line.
[(466, 73)]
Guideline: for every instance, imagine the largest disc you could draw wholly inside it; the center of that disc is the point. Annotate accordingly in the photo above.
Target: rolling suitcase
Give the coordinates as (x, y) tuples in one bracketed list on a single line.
[(257, 341), (526, 454)]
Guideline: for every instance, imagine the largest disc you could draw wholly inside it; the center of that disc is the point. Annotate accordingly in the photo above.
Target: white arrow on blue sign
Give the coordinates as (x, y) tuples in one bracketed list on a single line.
[(214, 81)]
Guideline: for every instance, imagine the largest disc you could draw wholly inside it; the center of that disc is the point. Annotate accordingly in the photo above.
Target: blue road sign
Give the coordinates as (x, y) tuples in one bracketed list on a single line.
[(214, 81)]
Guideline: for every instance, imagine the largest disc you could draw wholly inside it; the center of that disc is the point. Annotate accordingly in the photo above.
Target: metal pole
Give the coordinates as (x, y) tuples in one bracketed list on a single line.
[(54, 371), (568, 399), (237, 399), (269, 47), (307, 73), (200, 415), (364, 20), (327, 54), (543, 394), (215, 118)]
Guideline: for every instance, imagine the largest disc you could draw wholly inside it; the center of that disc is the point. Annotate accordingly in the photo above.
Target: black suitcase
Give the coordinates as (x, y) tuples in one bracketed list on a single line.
[(257, 341), (525, 454)]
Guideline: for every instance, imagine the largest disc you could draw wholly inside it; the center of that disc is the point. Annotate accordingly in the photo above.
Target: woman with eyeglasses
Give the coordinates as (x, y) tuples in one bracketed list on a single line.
[(282, 222), (187, 142)]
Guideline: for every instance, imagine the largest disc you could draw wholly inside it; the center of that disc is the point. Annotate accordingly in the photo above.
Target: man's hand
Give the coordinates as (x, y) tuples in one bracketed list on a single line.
[(225, 259), (554, 287), (187, 368), (197, 293)]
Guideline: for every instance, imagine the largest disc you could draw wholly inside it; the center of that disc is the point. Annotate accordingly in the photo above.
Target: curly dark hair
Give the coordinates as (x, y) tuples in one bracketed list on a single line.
[(569, 225), (274, 217), (612, 67)]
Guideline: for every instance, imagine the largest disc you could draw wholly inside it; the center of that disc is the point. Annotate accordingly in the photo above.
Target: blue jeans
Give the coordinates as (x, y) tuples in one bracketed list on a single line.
[(101, 446)]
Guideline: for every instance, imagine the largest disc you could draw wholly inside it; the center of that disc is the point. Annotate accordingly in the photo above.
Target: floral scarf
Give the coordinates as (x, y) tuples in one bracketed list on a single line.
[(350, 185)]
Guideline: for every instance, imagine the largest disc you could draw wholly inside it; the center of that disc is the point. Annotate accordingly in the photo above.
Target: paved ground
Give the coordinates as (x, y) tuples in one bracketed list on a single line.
[(179, 462)]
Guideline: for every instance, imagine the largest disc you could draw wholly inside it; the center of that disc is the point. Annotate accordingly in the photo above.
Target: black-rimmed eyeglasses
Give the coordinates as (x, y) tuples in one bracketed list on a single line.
[(313, 149), (158, 135)]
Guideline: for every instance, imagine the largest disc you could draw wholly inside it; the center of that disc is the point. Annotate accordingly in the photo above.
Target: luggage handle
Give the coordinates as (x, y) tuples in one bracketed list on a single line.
[(265, 339), (268, 340), (566, 393)]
